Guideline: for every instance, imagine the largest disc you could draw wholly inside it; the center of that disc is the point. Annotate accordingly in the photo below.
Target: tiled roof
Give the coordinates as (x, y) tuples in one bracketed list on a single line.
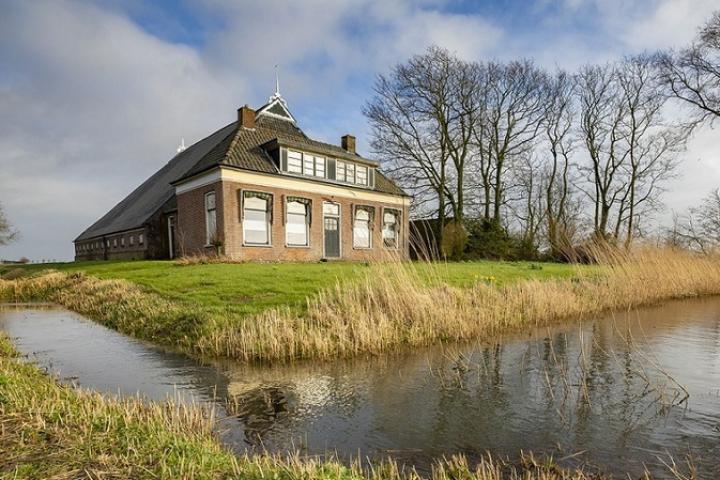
[(156, 191), (231, 146)]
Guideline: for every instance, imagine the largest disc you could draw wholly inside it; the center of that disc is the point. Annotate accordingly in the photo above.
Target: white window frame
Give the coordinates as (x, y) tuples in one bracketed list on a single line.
[(359, 168), (208, 211), (269, 218), (141, 239), (397, 214), (358, 208), (308, 212), (289, 154)]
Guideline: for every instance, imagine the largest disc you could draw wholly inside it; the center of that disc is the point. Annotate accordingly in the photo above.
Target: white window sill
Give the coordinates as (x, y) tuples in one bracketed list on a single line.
[(296, 246), (261, 245)]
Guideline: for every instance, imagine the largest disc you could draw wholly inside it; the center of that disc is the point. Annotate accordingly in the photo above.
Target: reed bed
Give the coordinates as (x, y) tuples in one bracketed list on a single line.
[(392, 306)]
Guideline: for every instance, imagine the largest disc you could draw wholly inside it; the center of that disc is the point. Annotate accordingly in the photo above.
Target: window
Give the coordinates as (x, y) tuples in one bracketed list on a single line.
[(295, 162), (132, 240), (141, 239), (361, 174), (350, 173), (210, 219), (390, 229), (361, 227), (114, 242), (306, 164), (297, 221), (122, 241), (332, 209), (257, 211), (108, 243)]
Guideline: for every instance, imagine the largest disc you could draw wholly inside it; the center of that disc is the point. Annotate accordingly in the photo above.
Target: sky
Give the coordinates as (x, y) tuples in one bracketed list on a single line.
[(96, 95)]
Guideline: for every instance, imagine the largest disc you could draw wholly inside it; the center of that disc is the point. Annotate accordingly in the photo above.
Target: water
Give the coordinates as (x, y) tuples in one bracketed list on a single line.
[(619, 393)]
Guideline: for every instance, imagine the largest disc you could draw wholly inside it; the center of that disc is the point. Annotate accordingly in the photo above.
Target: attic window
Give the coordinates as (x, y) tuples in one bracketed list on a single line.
[(305, 164)]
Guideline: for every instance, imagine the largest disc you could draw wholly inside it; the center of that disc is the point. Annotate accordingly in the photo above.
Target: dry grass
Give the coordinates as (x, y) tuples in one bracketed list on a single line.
[(392, 306)]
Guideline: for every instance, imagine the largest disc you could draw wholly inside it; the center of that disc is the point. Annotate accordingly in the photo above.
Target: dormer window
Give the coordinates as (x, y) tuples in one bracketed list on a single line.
[(348, 172), (305, 164)]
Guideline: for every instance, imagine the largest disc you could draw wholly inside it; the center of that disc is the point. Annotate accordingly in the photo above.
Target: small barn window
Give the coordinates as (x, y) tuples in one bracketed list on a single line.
[(361, 228), (257, 214), (390, 229), (132, 240), (210, 219), (141, 239), (297, 221)]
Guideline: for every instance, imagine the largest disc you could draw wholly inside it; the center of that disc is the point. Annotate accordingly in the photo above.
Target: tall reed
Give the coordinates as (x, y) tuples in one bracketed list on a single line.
[(393, 305)]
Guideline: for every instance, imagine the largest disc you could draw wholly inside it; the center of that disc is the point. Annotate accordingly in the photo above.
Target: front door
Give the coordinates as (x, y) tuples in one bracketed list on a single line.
[(331, 226)]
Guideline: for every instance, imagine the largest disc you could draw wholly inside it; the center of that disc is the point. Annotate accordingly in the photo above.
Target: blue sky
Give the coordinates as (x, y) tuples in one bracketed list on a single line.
[(95, 95)]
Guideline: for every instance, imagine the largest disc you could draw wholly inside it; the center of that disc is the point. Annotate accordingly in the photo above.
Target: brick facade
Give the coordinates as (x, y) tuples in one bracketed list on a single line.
[(131, 245), (191, 225)]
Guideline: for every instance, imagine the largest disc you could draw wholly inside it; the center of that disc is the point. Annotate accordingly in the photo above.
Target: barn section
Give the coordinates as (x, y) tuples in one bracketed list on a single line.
[(141, 225)]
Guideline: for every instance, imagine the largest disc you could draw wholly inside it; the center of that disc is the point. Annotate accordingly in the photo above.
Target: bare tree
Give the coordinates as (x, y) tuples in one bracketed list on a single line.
[(601, 116), (7, 233), (632, 146), (699, 229), (421, 117), (511, 105), (693, 74), (652, 140), (530, 209), (558, 125)]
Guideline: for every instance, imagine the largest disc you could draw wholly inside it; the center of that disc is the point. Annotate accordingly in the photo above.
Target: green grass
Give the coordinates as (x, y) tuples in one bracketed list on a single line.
[(251, 288)]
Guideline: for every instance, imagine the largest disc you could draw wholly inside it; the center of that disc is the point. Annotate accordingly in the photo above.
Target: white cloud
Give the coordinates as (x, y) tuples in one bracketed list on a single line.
[(91, 104)]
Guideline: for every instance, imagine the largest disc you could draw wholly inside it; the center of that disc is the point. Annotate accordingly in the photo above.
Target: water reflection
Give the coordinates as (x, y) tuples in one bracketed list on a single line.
[(618, 392)]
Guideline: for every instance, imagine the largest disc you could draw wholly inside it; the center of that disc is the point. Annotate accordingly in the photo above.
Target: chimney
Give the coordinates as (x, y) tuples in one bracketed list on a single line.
[(246, 117), (348, 143)]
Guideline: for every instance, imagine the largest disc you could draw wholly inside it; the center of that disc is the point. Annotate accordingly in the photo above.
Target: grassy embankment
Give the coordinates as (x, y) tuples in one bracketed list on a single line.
[(372, 309), (251, 288), (52, 431)]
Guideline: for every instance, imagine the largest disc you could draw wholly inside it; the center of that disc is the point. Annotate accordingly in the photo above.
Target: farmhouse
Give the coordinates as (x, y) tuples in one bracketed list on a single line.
[(258, 189)]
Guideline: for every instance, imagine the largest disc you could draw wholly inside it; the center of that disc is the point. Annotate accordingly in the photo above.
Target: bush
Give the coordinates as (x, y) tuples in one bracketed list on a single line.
[(454, 240), (488, 239)]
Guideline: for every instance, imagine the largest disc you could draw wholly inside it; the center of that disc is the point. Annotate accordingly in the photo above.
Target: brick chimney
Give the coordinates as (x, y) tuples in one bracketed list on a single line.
[(246, 117), (348, 143)]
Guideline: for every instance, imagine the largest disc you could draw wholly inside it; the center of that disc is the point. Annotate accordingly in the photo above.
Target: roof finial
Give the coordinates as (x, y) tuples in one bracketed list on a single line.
[(277, 82), (181, 147)]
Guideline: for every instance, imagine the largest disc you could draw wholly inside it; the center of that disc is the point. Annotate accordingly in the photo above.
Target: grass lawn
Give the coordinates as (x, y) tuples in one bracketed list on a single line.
[(248, 288)]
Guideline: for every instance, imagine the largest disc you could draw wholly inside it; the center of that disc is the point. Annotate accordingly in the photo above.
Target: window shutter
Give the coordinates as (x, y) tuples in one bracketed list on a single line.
[(330, 167), (371, 177), (284, 209), (240, 205), (283, 159)]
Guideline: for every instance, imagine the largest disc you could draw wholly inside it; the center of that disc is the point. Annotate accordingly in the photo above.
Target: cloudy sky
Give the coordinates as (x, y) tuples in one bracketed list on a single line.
[(95, 95)]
